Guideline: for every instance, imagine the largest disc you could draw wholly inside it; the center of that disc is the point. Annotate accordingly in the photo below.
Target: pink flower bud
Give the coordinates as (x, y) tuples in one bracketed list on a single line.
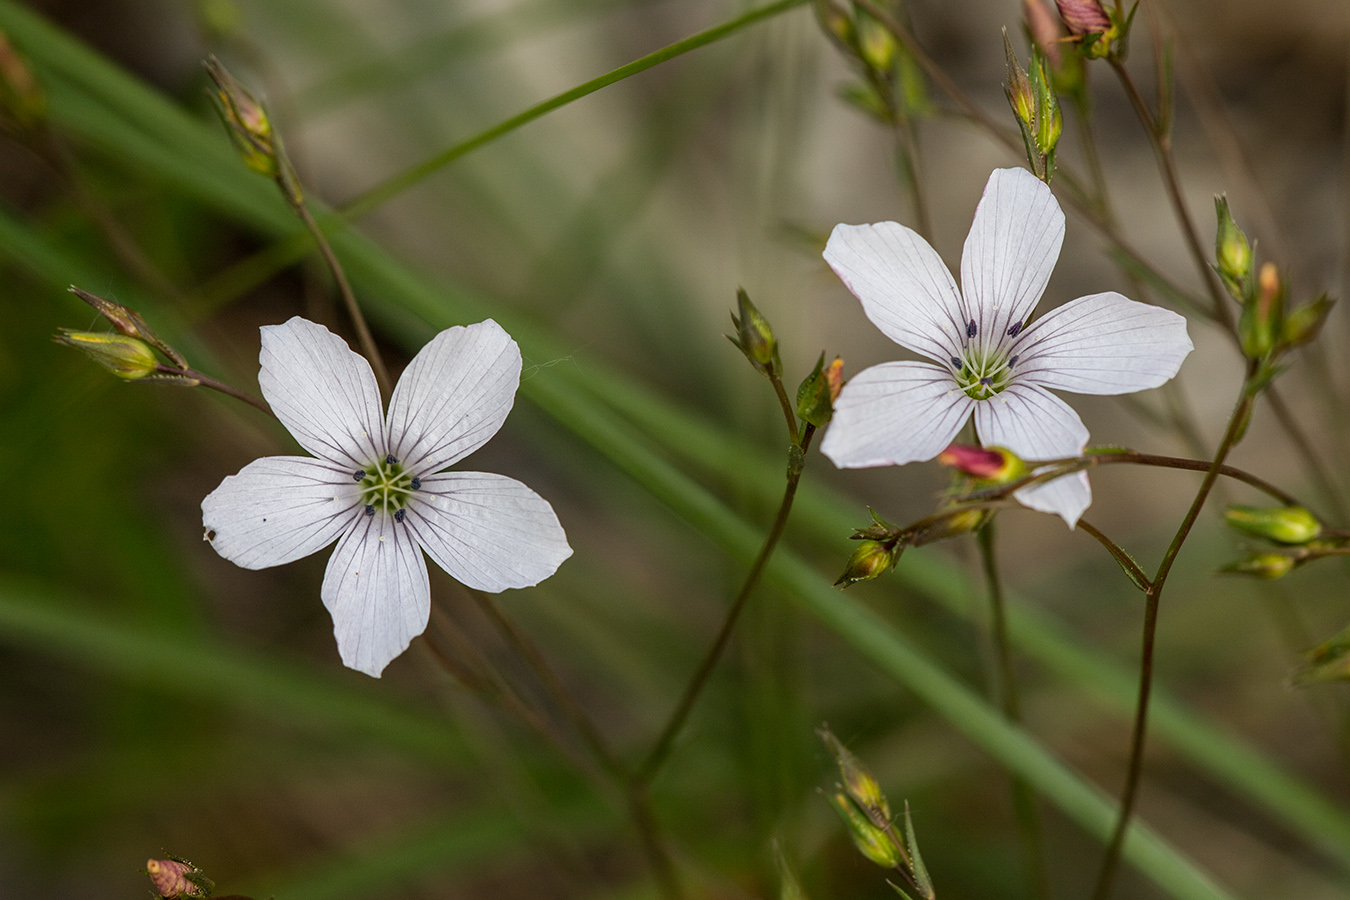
[(996, 464)]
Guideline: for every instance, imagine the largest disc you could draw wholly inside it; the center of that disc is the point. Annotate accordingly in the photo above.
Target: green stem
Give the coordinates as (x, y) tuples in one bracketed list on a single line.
[(666, 742), (1135, 767), (392, 187), (363, 335), (1024, 799), (207, 381), (1162, 149)]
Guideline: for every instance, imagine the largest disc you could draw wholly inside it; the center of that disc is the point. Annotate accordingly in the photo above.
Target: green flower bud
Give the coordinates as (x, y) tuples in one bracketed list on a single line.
[(1262, 565), (870, 840), (1261, 324), (1232, 251), (876, 44), (954, 525), (125, 357), (835, 21), (859, 783), (1282, 524), (870, 560), (1305, 323), (245, 120), (754, 337), (1049, 120), (818, 391), (1018, 88), (1328, 661)]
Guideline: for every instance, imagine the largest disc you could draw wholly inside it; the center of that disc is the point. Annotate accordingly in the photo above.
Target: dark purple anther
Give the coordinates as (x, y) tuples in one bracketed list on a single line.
[(972, 329), (398, 516), (358, 475), (416, 484), (1012, 332), (370, 510), (1012, 362), (391, 459), (956, 362)]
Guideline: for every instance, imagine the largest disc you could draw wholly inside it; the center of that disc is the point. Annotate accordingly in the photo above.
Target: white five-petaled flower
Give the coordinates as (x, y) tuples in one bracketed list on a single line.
[(376, 485), (991, 359)]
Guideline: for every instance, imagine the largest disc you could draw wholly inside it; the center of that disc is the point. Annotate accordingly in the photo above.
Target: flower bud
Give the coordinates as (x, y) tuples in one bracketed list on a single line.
[(129, 323), (870, 560), (1282, 524), (953, 525), (996, 465), (174, 878), (858, 782), (1084, 17), (1049, 120), (835, 21), (1262, 565), (1232, 251), (245, 120), (125, 357), (1305, 323), (870, 840), (818, 391), (1328, 661), (1262, 321), (1018, 88), (876, 44), (754, 336)]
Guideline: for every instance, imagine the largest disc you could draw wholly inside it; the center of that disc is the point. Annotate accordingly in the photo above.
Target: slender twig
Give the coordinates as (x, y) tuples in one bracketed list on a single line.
[(1139, 732), (207, 381), (1161, 142), (1024, 799), (363, 335), (1311, 462), (666, 742), (1118, 553)]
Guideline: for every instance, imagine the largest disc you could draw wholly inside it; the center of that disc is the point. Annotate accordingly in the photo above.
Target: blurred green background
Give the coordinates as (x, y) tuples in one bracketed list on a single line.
[(155, 698)]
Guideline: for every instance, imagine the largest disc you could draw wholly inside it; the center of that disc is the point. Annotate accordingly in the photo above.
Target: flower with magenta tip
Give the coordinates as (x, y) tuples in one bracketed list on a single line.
[(988, 356), (375, 483)]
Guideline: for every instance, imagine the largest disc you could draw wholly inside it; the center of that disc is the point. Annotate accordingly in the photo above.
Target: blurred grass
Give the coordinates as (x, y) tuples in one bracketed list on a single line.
[(141, 134)]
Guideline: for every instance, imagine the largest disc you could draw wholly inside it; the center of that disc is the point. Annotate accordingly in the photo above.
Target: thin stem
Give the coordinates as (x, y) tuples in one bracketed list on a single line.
[(789, 413), (1132, 568), (666, 742), (1305, 449), (1024, 800), (1162, 149), (363, 335), (1135, 767), (207, 381)]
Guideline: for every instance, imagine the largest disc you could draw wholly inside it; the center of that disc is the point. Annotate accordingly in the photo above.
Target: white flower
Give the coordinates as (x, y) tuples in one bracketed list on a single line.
[(374, 486), (990, 359)]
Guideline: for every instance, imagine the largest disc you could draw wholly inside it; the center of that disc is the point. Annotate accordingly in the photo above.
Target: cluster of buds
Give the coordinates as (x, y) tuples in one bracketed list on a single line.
[(893, 86), (979, 469), (1100, 33), (866, 814), (130, 353), (755, 339), (1297, 533), (1035, 107), (1267, 328), (250, 129)]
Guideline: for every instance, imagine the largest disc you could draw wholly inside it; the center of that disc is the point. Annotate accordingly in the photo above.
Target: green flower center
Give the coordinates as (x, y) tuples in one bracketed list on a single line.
[(386, 486), (983, 374)]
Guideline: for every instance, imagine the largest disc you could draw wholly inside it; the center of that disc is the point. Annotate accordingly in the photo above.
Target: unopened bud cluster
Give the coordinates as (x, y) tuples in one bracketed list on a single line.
[(893, 87), (865, 812), (1035, 108), (1299, 535), (1267, 327), (130, 353)]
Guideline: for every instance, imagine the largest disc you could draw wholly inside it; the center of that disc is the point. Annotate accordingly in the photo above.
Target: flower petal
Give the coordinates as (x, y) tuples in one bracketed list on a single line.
[(377, 591), (904, 286), (1103, 344), (323, 393), (1035, 424), (453, 396), (895, 413), (1010, 252), (279, 509), (488, 531)]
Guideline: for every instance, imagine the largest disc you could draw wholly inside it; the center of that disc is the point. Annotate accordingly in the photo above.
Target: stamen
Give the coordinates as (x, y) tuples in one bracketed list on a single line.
[(956, 361), (987, 381), (391, 459), (398, 516), (1012, 362), (416, 484), (972, 329), (370, 510), (359, 474), (1012, 332)]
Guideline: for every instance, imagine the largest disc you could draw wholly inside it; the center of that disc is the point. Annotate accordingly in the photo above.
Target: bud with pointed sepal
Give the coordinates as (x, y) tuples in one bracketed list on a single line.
[(871, 841), (1262, 565), (870, 560), (1328, 661), (1302, 325), (1281, 524), (128, 322), (126, 357), (858, 781), (754, 337), (1232, 251), (1261, 325), (819, 390)]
